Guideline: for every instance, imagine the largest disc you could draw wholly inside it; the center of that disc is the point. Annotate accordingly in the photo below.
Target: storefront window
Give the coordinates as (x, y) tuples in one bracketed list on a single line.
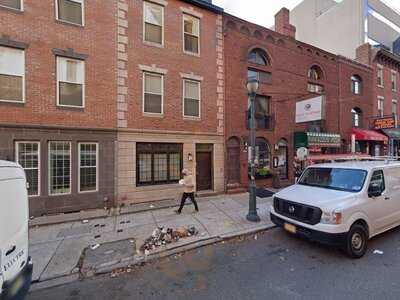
[(262, 159), (282, 156)]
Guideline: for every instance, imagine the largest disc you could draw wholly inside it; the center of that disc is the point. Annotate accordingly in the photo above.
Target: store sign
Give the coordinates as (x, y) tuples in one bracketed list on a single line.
[(322, 139), (310, 110), (384, 123)]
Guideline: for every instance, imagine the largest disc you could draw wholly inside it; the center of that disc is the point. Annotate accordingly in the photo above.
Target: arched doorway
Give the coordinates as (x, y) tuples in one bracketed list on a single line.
[(233, 160), (283, 156)]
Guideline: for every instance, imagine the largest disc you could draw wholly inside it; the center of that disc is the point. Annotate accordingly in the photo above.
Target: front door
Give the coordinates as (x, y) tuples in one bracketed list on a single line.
[(203, 171)]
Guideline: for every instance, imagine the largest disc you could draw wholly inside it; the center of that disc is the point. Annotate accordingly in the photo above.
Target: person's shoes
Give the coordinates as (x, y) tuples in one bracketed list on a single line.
[(177, 211)]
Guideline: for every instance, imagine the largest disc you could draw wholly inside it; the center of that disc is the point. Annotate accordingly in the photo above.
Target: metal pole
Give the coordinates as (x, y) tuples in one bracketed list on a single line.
[(252, 215)]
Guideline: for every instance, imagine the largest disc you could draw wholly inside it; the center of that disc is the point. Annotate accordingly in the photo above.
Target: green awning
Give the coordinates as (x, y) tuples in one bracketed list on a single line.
[(393, 133)]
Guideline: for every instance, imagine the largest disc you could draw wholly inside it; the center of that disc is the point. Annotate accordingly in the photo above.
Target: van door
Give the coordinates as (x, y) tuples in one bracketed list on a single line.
[(392, 178), (381, 208)]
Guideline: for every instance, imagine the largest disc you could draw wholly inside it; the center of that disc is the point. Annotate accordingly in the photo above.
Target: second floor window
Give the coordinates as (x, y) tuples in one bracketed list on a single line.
[(12, 74), (315, 73), (70, 11), (70, 82), (380, 76), (14, 4), (356, 85), (262, 113), (394, 107), (191, 31), (394, 81), (261, 76), (357, 117), (153, 23), (153, 93), (381, 103), (191, 102), (315, 88)]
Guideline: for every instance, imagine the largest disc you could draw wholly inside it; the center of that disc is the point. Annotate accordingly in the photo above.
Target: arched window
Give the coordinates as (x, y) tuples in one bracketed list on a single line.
[(262, 158), (315, 73), (259, 57), (356, 84), (356, 117)]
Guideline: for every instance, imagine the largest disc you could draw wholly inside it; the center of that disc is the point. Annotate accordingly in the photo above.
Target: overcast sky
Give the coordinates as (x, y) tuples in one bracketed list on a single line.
[(262, 12)]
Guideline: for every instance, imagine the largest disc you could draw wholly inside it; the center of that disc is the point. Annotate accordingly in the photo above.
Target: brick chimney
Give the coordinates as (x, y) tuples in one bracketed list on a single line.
[(282, 23), (364, 54)]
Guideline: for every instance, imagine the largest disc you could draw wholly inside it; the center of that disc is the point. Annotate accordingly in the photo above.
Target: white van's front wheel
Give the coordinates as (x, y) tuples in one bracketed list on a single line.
[(357, 240)]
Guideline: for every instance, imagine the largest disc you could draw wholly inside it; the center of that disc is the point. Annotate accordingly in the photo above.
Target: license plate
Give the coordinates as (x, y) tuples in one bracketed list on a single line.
[(289, 227)]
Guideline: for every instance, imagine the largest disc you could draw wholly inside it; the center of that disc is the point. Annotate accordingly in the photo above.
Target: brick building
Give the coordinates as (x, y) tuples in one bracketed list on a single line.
[(291, 74), (58, 100), (170, 98)]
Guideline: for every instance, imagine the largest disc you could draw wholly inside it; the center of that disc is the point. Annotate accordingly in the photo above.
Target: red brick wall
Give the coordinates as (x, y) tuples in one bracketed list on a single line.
[(38, 27), (290, 61), (172, 58)]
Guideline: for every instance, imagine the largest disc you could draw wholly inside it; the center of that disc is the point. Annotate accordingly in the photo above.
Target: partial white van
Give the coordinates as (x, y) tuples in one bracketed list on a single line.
[(343, 204), (15, 264)]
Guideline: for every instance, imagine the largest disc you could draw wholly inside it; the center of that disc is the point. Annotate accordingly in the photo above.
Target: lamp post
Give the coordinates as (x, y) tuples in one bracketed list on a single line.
[(252, 87)]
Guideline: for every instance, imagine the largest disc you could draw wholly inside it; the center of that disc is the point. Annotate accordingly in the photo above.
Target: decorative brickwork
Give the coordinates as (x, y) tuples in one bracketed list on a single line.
[(220, 76)]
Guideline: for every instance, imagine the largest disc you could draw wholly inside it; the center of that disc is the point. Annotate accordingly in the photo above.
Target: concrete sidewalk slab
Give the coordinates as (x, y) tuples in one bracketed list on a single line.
[(57, 249)]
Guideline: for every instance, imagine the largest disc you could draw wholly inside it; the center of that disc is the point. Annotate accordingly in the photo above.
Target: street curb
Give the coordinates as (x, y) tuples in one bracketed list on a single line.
[(138, 260)]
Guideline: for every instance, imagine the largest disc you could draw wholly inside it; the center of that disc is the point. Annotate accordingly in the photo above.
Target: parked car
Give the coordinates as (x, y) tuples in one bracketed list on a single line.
[(15, 264), (342, 204)]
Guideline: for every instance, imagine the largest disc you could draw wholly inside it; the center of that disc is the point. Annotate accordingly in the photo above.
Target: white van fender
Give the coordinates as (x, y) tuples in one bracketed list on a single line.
[(356, 217)]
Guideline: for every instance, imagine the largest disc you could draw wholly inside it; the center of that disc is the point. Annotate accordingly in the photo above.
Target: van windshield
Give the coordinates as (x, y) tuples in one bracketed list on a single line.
[(349, 180)]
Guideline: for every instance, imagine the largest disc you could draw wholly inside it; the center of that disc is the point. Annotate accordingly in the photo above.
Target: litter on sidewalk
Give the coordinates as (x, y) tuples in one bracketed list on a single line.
[(380, 252), (163, 236)]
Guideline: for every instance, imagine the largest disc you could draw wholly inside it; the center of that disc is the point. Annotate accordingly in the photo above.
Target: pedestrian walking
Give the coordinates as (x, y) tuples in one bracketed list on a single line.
[(188, 191)]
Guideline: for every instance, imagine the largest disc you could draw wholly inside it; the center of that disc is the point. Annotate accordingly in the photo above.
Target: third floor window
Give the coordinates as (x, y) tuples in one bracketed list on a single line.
[(14, 4), (12, 75), (191, 31), (394, 81), (153, 23), (70, 11), (70, 82), (380, 76)]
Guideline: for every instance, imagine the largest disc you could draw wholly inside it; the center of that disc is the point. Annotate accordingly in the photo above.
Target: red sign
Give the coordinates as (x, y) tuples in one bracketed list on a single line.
[(384, 123)]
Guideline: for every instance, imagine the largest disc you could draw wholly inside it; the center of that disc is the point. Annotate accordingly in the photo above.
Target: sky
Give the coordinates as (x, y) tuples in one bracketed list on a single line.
[(262, 12)]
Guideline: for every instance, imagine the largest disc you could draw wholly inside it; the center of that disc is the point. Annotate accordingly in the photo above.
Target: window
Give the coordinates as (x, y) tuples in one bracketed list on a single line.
[(70, 82), (356, 84), (14, 4), (59, 168), (259, 57), (191, 102), (70, 11), (377, 180), (394, 107), (357, 117), (28, 156), (153, 23), (191, 32), (88, 161), (158, 163), (394, 81), (261, 76), (315, 88), (153, 93), (262, 114), (381, 103), (315, 73), (380, 76), (262, 158), (12, 75)]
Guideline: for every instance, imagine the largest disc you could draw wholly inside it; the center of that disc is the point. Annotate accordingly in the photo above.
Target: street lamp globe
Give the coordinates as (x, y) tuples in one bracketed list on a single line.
[(252, 85)]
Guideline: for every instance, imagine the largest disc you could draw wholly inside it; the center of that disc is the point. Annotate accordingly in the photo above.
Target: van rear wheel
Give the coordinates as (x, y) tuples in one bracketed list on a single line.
[(356, 241)]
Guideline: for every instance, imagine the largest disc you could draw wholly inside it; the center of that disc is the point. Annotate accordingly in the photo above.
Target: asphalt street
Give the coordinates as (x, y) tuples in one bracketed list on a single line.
[(272, 265)]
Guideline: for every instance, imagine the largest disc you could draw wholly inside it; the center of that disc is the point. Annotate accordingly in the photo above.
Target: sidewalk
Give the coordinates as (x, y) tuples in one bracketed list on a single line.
[(58, 251)]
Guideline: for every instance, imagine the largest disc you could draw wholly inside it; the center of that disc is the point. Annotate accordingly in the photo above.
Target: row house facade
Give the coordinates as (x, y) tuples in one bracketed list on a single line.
[(57, 100), (294, 77)]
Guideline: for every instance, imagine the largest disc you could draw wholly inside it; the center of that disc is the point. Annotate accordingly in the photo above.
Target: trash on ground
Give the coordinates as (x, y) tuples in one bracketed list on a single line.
[(380, 252), (85, 221), (94, 247), (256, 237), (163, 236), (151, 206)]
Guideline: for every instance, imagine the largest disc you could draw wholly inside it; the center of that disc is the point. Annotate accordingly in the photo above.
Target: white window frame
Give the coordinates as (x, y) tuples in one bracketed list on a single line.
[(394, 101), (82, 2), (58, 60), (144, 92), (23, 77), (79, 167), (381, 106), (144, 24), (22, 6), (183, 99), (394, 76), (183, 34), (17, 143), (380, 71), (70, 168)]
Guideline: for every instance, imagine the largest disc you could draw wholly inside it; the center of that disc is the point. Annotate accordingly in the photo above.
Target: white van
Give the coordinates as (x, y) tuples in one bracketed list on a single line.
[(15, 264), (342, 204)]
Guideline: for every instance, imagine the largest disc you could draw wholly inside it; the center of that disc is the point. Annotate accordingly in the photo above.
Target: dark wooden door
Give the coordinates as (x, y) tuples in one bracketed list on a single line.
[(204, 171)]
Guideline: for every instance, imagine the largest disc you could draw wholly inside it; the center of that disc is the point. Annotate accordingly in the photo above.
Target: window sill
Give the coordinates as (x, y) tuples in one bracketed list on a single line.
[(187, 118), (10, 9), (73, 108), (381, 86), (11, 102), (191, 53), (153, 115), (69, 23), (152, 44)]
